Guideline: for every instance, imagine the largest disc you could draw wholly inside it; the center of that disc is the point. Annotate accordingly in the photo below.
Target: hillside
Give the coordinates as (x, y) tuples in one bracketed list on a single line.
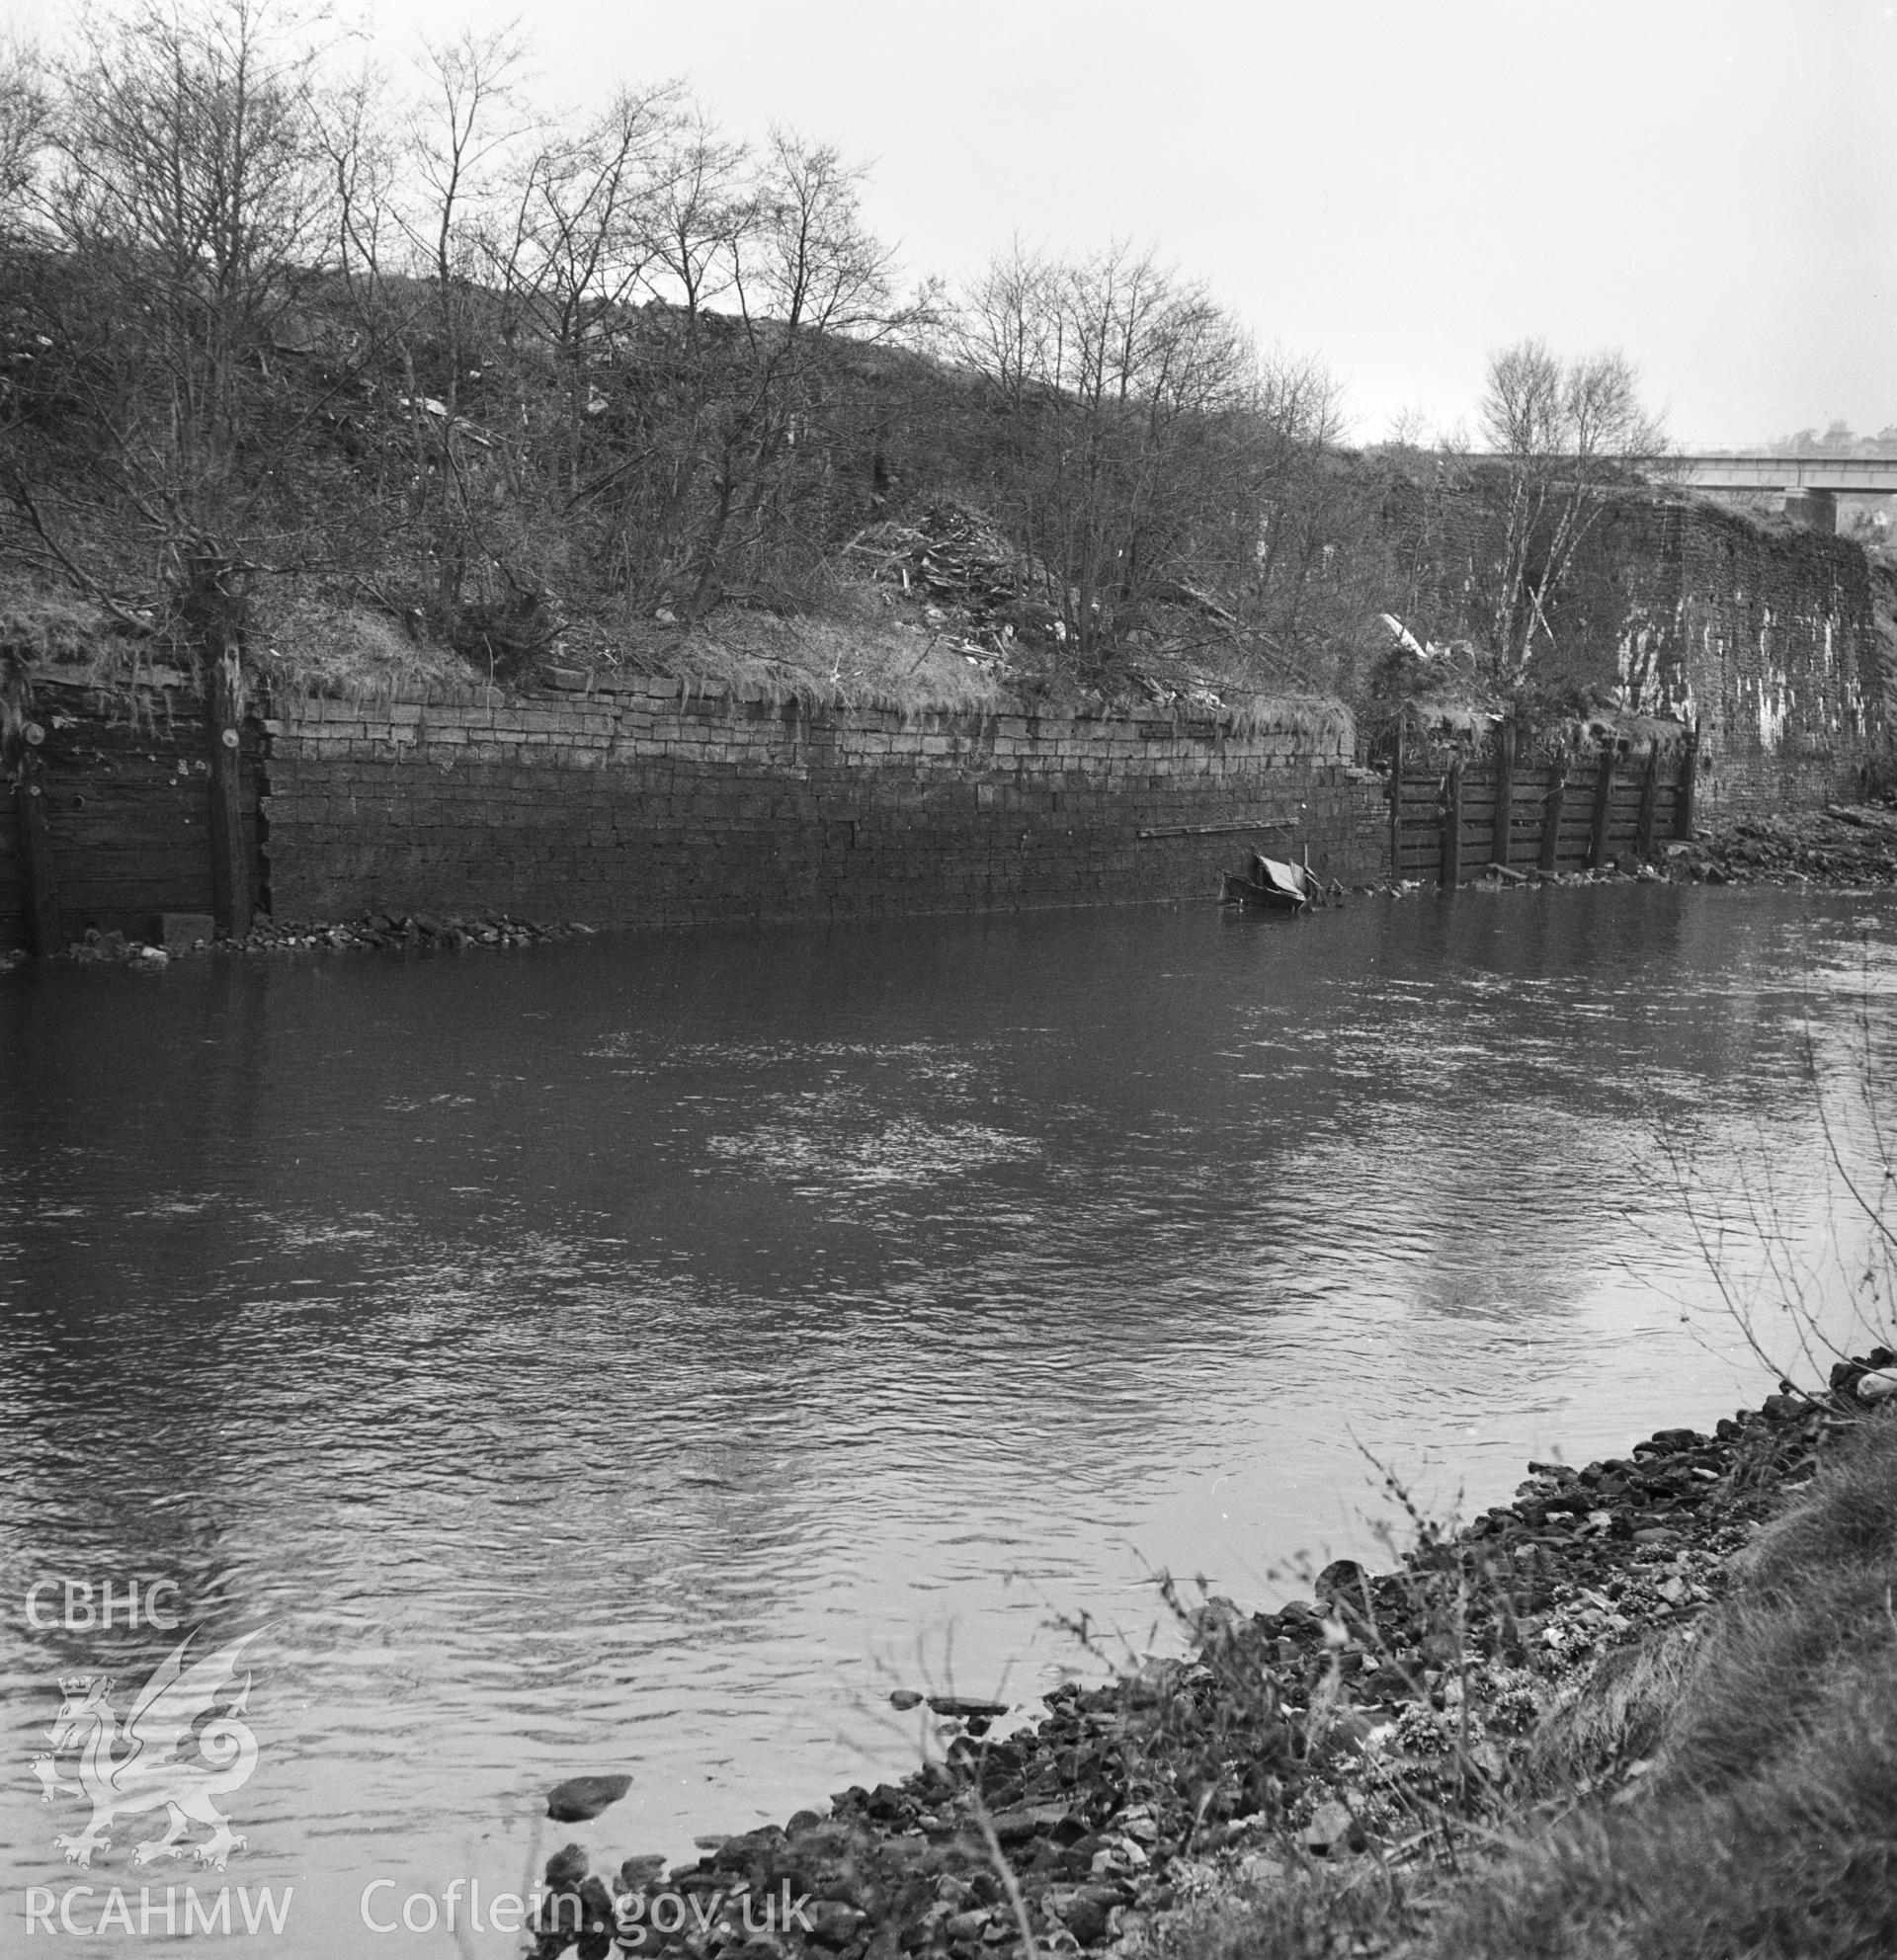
[(432, 391), (686, 493), (397, 487)]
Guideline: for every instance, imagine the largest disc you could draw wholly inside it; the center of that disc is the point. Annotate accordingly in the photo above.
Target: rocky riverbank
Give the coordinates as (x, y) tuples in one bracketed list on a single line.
[(386, 932), (1390, 1720), (1844, 844)]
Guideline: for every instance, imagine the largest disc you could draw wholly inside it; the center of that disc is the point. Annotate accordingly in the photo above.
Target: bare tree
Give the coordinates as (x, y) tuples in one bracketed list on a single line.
[(25, 120), (624, 349), (664, 399), (454, 347), (1122, 400), (462, 132), (581, 243), (1566, 431), (1305, 521), (181, 215), (807, 277)]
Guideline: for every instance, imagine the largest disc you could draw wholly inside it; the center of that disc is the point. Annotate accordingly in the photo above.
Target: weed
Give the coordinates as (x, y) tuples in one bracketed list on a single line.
[(346, 650), (1764, 1825)]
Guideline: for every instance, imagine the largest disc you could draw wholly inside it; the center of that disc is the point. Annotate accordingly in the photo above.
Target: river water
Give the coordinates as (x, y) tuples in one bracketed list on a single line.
[(644, 1355)]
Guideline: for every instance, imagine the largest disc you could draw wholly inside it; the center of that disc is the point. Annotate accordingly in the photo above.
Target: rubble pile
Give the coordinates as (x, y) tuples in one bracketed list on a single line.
[(1377, 1720), (391, 931), (969, 581), (1844, 844), (386, 932)]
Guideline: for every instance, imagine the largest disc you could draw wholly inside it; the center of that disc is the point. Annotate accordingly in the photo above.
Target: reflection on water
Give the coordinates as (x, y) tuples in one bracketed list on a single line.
[(644, 1355)]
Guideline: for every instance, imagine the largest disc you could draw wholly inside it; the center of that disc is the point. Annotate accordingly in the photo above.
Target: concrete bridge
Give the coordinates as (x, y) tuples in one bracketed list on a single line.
[(1808, 487)]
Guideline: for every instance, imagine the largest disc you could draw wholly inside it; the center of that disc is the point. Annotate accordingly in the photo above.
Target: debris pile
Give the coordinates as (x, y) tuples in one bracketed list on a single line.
[(992, 602), (969, 581)]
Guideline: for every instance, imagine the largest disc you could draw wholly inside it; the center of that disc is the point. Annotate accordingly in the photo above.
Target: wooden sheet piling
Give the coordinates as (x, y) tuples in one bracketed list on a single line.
[(230, 892), (1501, 836), (35, 857), (1603, 811), (1451, 874), (1649, 799), (1551, 805), (1396, 802)]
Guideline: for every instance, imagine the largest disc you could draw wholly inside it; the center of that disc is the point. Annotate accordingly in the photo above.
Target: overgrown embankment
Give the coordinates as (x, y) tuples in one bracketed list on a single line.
[(629, 382), (1646, 1708)]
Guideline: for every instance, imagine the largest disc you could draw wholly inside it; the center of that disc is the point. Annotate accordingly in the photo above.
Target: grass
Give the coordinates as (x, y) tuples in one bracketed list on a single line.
[(862, 646), (856, 653), (308, 646), (52, 628), (51, 633), (304, 646), (1317, 718), (1617, 1721), (1766, 1822)]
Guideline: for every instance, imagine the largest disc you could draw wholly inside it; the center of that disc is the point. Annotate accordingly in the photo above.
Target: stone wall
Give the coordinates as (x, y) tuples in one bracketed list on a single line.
[(126, 787), (1763, 633), (644, 804)]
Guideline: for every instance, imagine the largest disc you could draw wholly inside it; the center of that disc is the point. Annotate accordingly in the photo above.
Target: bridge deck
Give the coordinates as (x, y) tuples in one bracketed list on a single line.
[(1736, 470)]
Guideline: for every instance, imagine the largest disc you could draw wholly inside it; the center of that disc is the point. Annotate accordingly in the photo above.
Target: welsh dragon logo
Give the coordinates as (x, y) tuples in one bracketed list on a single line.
[(178, 1750)]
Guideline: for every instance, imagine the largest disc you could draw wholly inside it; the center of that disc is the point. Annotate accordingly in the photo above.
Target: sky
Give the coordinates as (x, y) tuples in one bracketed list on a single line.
[(1396, 189)]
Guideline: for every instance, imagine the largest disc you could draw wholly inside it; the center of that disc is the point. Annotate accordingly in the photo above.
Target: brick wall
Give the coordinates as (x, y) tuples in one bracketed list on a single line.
[(645, 804)]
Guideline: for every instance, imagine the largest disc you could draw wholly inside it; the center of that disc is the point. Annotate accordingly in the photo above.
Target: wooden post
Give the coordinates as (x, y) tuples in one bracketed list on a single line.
[(1503, 833), (1602, 810), (1649, 794), (36, 853), (1688, 782), (1551, 804), (1451, 873), (230, 893), (1396, 802)]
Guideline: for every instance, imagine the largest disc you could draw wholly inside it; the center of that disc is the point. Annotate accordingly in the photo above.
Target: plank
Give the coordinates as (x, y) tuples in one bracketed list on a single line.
[(1553, 803), (1452, 873), (1603, 808), (230, 864), (40, 885), (1649, 796), (1501, 836), (1396, 796)]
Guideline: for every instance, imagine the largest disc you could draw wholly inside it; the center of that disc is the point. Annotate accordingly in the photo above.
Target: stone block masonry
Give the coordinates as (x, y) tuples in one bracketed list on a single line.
[(641, 803), (128, 816), (1766, 638)]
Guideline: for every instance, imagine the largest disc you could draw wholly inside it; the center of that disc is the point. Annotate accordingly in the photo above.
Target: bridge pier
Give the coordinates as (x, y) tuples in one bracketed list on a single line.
[(1813, 510)]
